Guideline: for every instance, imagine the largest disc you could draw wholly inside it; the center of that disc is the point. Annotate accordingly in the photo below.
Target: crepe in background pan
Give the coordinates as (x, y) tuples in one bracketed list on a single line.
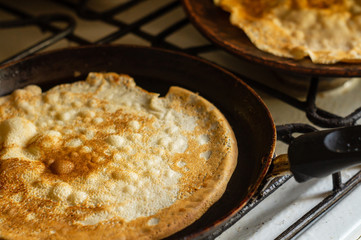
[(328, 31)]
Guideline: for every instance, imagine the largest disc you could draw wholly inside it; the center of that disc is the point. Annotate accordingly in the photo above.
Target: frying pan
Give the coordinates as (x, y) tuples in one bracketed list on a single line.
[(214, 23), (156, 70)]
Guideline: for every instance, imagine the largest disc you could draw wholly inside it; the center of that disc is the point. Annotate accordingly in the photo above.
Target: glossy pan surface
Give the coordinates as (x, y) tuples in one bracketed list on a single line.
[(156, 70), (214, 23)]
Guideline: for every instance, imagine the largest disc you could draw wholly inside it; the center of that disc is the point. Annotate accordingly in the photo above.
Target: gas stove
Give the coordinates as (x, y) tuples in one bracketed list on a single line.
[(325, 208)]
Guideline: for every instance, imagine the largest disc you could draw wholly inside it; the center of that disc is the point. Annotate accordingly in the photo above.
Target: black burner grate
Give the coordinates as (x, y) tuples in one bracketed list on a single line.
[(82, 10)]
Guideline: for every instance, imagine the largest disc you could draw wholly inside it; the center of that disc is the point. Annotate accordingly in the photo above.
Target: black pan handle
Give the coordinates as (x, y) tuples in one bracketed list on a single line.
[(322, 153)]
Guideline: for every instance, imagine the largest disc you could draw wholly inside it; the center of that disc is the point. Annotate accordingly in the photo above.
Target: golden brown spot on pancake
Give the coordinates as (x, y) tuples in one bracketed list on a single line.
[(258, 8), (62, 167), (320, 4)]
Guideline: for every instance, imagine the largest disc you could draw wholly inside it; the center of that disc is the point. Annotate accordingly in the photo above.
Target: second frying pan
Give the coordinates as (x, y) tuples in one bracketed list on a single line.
[(214, 23)]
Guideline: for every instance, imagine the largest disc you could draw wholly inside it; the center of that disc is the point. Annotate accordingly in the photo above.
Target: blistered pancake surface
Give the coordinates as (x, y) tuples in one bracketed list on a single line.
[(328, 31), (105, 159)]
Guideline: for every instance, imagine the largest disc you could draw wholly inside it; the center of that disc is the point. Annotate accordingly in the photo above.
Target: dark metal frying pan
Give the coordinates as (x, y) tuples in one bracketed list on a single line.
[(156, 70), (214, 23)]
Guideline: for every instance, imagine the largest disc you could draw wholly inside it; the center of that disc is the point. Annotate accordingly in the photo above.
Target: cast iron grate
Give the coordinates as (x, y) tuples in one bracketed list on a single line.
[(316, 115)]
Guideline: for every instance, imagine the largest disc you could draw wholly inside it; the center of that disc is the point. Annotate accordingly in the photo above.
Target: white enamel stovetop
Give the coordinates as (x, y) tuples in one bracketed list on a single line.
[(292, 200)]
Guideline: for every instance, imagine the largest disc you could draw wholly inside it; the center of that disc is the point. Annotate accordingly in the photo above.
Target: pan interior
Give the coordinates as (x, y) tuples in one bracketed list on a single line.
[(157, 70)]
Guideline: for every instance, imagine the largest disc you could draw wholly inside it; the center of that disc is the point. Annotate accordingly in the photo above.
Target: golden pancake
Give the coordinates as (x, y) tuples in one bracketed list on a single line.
[(328, 31), (105, 159)]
